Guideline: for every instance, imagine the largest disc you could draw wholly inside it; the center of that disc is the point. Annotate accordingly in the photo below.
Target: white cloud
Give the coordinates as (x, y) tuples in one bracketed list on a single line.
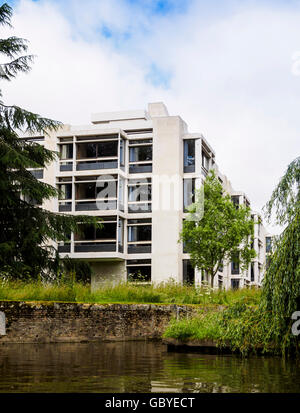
[(231, 75)]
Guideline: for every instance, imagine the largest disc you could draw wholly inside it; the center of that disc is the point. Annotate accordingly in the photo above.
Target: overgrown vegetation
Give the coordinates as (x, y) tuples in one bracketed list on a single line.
[(268, 326), (67, 290), (281, 292), (205, 326), (239, 327), (26, 229)]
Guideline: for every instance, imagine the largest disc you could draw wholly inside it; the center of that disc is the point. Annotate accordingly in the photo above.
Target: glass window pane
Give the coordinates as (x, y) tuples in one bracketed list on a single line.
[(139, 233), (107, 149), (86, 191), (66, 151), (120, 234), (139, 273), (122, 152), (87, 233), (189, 152), (140, 193), (188, 192), (65, 191), (86, 150), (205, 161), (121, 193), (140, 153), (188, 273), (108, 231)]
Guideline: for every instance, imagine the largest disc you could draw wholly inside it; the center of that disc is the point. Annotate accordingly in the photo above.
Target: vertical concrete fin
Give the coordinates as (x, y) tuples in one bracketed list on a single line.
[(157, 109)]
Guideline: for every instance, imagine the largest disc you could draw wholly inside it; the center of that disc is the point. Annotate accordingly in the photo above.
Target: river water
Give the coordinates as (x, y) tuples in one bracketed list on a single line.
[(138, 367)]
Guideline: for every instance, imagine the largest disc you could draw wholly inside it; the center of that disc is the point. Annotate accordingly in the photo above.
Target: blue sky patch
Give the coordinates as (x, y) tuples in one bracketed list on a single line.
[(161, 7), (158, 77)]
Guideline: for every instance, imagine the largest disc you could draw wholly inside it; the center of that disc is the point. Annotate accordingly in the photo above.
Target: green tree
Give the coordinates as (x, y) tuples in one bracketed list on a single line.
[(281, 287), (79, 269), (224, 233), (25, 229)]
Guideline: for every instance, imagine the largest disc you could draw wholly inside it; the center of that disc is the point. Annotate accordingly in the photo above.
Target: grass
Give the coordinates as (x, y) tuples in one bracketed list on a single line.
[(240, 327), (205, 326), (167, 293)]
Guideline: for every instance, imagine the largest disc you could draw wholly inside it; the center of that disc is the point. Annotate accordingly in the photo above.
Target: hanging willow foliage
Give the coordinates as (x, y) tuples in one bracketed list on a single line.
[(281, 287)]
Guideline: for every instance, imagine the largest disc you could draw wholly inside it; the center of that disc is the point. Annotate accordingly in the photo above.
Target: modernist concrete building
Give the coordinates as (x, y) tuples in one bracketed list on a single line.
[(137, 170)]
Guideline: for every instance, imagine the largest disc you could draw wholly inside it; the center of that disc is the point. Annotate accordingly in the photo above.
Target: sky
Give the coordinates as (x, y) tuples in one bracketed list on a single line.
[(230, 69)]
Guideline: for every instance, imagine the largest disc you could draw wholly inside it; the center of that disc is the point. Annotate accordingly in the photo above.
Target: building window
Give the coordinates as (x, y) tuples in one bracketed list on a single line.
[(66, 151), (139, 237), (92, 233), (140, 153), (139, 233), (236, 201), (106, 149), (64, 186), (97, 150), (138, 270), (205, 161), (259, 272), (188, 193), (37, 173), (235, 264), (121, 193), (268, 244), (189, 155), (252, 272), (97, 155), (188, 273), (139, 195), (140, 157), (122, 153), (235, 284), (65, 191), (120, 234), (86, 191), (93, 193), (90, 238)]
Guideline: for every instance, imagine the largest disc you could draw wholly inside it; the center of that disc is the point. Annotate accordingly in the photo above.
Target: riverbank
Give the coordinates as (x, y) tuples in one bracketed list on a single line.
[(53, 322), (70, 312), (236, 328)]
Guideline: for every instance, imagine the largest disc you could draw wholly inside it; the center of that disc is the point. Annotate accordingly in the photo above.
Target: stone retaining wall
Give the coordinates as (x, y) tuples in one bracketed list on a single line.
[(46, 322)]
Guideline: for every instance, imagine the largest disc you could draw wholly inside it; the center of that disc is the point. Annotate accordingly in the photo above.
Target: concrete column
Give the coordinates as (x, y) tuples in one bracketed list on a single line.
[(166, 213)]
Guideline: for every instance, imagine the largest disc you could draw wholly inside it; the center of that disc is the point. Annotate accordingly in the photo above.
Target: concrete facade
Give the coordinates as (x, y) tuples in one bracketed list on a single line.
[(137, 171)]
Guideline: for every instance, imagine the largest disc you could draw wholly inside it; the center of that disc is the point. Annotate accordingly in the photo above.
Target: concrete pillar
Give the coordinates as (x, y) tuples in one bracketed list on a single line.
[(167, 218)]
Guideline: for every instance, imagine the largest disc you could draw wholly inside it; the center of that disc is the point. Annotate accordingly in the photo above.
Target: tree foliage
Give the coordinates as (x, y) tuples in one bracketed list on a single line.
[(79, 269), (281, 288), (224, 231), (26, 230)]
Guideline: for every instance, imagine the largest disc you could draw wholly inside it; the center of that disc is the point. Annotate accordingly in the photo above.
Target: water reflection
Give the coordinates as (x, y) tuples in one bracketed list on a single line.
[(137, 367)]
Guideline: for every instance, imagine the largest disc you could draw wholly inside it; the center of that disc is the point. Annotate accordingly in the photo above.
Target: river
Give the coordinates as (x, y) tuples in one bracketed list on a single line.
[(138, 367)]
